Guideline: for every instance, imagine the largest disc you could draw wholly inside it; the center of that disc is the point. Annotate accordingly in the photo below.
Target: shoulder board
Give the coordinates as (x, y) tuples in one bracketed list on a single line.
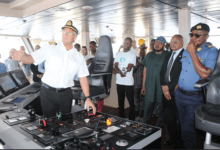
[(52, 43), (210, 46)]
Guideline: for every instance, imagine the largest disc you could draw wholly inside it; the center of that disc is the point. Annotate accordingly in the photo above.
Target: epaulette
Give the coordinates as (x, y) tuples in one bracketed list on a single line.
[(52, 43)]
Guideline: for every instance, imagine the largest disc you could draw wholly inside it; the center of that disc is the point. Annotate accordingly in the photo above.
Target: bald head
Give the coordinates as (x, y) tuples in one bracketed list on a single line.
[(180, 37), (176, 42)]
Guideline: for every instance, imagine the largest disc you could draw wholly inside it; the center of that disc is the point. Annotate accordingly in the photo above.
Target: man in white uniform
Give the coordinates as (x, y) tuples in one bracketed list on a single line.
[(63, 62), (124, 62), (134, 48)]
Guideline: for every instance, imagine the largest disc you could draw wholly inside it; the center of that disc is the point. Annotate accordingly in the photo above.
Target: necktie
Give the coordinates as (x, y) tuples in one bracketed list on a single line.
[(167, 75)]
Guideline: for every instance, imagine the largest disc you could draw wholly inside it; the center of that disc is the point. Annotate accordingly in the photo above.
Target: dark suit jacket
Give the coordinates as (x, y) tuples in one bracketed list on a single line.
[(174, 75)]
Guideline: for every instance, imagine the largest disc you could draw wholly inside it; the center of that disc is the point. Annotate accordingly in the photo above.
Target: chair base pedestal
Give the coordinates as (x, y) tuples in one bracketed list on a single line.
[(212, 145), (208, 144)]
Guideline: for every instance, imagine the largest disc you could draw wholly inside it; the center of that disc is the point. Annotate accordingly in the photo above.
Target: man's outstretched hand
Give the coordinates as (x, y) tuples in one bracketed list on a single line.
[(16, 55)]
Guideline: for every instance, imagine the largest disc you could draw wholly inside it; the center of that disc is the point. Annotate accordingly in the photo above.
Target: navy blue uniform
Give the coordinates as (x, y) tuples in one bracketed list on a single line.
[(187, 104)]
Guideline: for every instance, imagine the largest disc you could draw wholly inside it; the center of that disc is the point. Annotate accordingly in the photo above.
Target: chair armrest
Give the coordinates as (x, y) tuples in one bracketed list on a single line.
[(201, 83)]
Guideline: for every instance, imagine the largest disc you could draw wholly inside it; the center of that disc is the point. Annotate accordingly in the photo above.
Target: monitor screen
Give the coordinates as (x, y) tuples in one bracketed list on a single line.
[(7, 83), (20, 78)]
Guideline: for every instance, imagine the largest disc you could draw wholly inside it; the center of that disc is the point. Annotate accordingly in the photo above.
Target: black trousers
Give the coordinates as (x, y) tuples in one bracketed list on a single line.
[(171, 119), (148, 112), (139, 100), (52, 102), (129, 92)]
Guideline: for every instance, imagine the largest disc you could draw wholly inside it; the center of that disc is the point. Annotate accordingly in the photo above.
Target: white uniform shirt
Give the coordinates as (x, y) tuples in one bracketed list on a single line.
[(135, 51), (61, 65), (89, 56), (123, 60)]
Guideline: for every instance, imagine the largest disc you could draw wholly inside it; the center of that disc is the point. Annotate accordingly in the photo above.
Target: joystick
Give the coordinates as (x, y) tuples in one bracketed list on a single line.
[(90, 111), (42, 124), (6, 116), (61, 116), (31, 113)]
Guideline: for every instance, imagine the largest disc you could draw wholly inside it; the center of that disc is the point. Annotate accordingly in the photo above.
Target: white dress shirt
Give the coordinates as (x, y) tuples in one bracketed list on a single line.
[(176, 54), (89, 56), (174, 57), (61, 65)]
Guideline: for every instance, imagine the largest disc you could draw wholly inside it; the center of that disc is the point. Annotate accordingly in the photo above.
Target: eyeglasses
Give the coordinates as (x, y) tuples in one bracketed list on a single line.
[(69, 33), (196, 35), (174, 42)]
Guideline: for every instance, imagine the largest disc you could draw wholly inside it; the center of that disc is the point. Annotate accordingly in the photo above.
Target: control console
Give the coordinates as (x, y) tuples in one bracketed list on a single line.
[(82, 130)]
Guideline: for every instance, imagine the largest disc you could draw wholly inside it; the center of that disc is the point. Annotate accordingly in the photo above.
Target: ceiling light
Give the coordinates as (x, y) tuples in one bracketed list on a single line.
[(60, 9), (87, 7), (191, 3)]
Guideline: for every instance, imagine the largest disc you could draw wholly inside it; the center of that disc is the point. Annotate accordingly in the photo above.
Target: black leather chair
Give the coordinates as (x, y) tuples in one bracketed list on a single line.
[(100, 73), (207, 116)]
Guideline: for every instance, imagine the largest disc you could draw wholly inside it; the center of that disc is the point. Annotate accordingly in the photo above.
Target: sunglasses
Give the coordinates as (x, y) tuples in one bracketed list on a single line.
[(196, 35)]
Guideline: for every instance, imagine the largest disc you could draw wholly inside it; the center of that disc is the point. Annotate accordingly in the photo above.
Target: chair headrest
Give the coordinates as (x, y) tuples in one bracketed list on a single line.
[(103, 60)]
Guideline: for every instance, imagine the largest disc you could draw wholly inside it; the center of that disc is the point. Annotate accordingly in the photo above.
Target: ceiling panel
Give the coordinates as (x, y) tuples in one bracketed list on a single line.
[(6, 1), (28, 4), (122, 17)]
